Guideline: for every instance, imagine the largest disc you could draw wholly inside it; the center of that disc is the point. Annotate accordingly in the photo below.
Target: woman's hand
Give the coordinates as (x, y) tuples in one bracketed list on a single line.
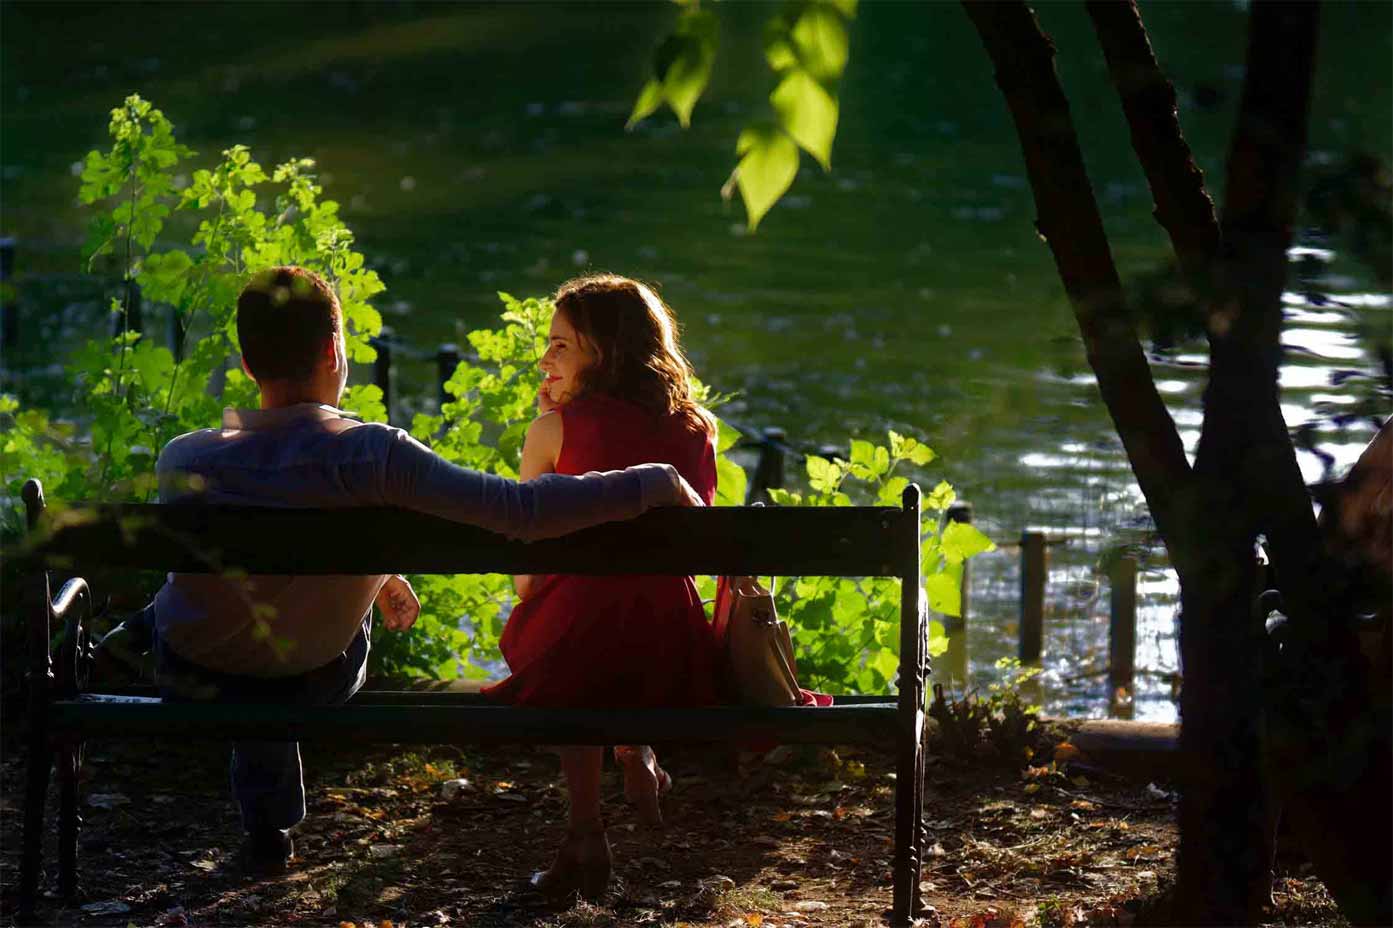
[(545, 403), (398, 604)]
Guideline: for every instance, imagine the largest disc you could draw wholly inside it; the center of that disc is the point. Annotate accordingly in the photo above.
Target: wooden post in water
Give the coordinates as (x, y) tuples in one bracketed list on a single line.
[(769, 471), (1032, 596), (382, 367), (9, 309), (961, 511), (1122, 624), (446, 360)]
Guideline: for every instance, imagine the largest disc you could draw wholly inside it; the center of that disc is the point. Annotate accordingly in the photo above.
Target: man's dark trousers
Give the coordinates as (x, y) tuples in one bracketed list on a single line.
[(267, 779)]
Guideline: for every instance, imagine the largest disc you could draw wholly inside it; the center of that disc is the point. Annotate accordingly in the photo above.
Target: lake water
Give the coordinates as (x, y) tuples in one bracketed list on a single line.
[(481, 148)]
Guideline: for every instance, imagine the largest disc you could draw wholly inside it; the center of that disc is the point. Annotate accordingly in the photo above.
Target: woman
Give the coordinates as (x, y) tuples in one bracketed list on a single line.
[(616, 392)]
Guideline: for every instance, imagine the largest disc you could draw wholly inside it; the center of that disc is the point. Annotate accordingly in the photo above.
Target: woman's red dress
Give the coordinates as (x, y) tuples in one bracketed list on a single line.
[(634, 640)]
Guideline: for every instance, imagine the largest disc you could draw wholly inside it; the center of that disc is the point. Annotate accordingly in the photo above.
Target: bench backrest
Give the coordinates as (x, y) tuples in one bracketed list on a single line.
[(823, 541)]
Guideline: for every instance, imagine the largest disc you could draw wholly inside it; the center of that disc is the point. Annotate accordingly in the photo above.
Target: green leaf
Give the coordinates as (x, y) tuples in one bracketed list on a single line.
[(846, 7), (782, 497), (778, 47), (884, 662), (941, 497), (862, 452), (945, 596), (726, 436), (938, 639), (962, 540), (808, 113), (921, 454), (683, 62), (820, 41), (891, 491), (768, 164), (731, 482), (820, 471), (649, 99), (365, 399)]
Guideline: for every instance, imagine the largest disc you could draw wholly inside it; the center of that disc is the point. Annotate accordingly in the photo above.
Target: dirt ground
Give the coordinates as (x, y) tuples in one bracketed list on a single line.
[(800, 838)]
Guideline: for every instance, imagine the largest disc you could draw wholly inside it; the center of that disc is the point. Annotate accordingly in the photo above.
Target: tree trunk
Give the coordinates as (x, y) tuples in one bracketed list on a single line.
[(1246, 480)]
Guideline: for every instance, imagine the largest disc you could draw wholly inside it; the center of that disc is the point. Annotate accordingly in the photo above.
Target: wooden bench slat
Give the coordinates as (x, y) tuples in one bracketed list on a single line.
[(446, 696), (857, 541), (128, 716)]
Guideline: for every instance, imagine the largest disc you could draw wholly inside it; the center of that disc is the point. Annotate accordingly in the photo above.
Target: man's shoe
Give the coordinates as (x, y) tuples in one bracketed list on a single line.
[(266, 853)]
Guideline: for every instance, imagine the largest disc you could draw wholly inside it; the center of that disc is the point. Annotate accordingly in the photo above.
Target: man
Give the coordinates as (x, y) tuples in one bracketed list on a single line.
[(294, 639)]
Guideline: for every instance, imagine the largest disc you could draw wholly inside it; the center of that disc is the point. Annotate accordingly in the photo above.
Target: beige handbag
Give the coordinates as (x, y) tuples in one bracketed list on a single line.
[(758, 650)]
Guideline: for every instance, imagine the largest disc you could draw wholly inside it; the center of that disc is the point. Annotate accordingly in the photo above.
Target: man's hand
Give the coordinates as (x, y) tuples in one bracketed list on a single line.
[(686, 496), (398, 604)]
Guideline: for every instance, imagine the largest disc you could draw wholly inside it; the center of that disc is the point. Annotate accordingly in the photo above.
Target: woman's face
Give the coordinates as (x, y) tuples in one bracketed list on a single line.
[(567, 356)]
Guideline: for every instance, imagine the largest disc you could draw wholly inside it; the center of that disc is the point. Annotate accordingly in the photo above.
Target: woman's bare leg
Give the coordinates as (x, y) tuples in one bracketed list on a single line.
[(583, 861), (581, 766), (644, 780)]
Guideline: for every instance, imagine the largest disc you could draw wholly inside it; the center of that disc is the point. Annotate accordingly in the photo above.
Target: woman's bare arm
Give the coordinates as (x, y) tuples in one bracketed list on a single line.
[(540, 449)]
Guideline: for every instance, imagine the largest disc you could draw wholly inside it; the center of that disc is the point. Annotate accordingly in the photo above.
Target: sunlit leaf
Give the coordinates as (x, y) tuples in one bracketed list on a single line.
[(778, 46), (820, 42), (938, 639), (891, 491), (941, 497), (768, 164), (730, 482), (846, 7), (649, 99), (365, 399), (962, 540), (683, 62), (727, 436), (808, 113), (945, 597)]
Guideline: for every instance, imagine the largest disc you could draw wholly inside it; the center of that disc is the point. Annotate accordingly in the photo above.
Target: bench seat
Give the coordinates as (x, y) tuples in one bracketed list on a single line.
[(407, 718)]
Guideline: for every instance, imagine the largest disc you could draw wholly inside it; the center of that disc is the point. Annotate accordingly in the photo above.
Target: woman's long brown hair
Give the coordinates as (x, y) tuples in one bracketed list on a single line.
[(635, 336)]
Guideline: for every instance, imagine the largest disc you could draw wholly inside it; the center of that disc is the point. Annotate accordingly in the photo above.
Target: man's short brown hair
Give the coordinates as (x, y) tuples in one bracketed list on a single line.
[(284, 317)]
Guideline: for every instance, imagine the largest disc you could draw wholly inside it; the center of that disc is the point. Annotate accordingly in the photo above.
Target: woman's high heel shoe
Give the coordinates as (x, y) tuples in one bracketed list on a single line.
[(582, 866)]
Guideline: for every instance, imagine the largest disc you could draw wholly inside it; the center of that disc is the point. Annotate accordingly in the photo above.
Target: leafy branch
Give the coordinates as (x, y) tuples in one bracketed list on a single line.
[(806, 46)]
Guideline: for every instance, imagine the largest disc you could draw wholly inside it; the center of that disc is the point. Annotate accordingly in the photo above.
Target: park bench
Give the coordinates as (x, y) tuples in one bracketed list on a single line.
[(844, 542)]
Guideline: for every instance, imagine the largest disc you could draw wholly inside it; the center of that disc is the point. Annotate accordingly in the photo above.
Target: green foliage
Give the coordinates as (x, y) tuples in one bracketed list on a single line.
[(133, 395), (847, 629), (681, 66), (806, 46), (999, 727)]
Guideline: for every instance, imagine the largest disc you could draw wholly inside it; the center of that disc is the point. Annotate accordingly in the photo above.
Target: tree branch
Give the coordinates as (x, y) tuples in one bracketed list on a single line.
[(1244, 434), (1183, 207), (1069, 221)]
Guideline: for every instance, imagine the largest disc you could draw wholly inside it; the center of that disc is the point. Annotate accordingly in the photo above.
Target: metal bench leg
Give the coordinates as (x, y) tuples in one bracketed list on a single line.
[(909, 762), (69, 821), (39, 764), (909, 819)]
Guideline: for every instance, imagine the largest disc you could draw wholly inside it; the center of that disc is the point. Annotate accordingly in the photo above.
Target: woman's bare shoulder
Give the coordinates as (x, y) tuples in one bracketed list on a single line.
[(546, 428)]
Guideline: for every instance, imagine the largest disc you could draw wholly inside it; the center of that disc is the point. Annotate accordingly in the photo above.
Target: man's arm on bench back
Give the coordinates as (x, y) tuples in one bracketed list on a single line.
[(552, 505)]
